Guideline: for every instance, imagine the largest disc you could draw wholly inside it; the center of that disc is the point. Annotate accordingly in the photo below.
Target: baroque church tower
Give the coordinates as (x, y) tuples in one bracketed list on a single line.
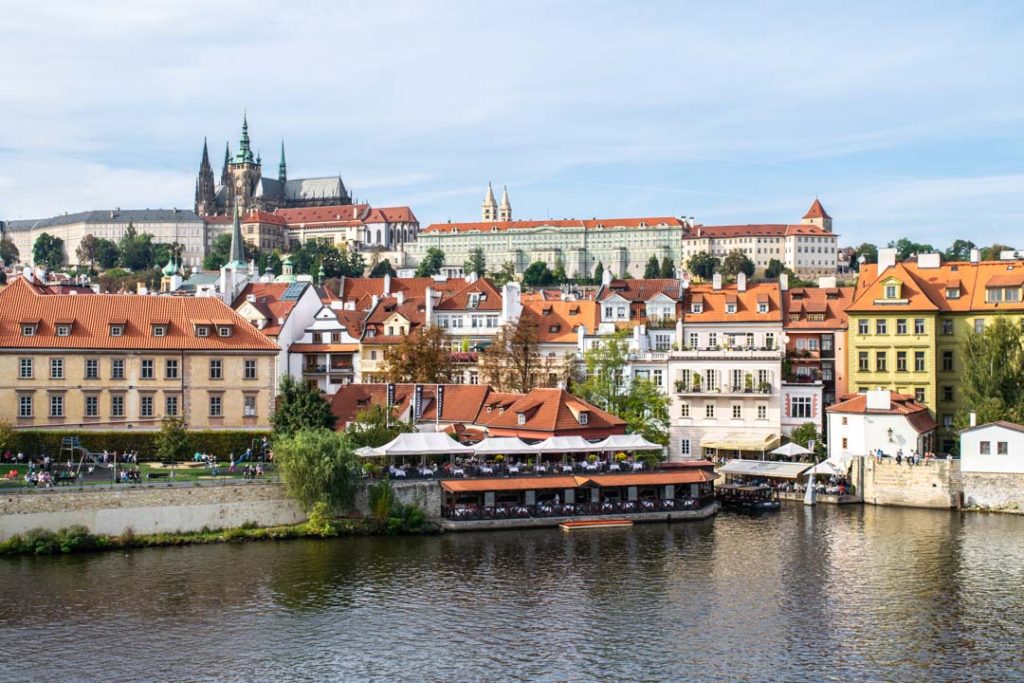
[(505, 211), (489, 209)]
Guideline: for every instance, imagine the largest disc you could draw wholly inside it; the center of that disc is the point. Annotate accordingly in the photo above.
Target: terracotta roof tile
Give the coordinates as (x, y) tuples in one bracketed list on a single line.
[(591, 224), (816, 211), (714, 303)]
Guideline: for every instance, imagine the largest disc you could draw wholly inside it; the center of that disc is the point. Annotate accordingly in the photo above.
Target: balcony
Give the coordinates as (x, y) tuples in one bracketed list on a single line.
[(764, 389), (649, 356), (727, 353)]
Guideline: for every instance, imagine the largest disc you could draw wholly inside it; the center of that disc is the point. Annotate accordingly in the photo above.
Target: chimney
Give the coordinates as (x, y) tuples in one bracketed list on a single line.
[(975, 255), (783, 282), (606, 277), (886, 259), (827, 282), (400, 297), (974, 419), (374, 300), (387, 284), (878, 399), (741, 282), (428, 313), (932, 260), (716, 282)]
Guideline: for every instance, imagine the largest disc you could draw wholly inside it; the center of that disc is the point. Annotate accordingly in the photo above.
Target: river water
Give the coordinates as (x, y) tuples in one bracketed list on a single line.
[(845, 594)]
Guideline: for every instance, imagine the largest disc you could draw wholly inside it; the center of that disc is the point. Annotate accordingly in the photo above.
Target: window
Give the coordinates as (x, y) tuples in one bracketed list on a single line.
[(952, 292), (918, 325), (657, 377), (215, 406), (769, 340), (901, 326), (684, 446), (56, 368), (28, 330), (826, 342), (762, 412), (891, 291), (862, 326), (696, 308), (846, 443), (116, 330), (249, 407), (24, 406), (800, 407), (1002, 448), (684, 410), (901, 361), (147, 368), (117, 406), (584, 417), (737, 411), (880, 327), (947, 393), (63, 330), (224, 331), (159, 331), (880, 361), (92, 368), (146, 406), (947, 361), (92, 406), (216, 369), (25, 368), (520, 418), (762, 308), (730, 307), (56, 405), (947, 327), (985, 448), (171, 369), (250, 369), (171, 405), (919, 394), (117, 368), (979, 325), (202, 331), (693, 340), (712, 339), (709, 411)]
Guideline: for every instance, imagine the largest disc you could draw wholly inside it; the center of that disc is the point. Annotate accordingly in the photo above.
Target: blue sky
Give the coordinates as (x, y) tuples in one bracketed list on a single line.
[(905, 119)]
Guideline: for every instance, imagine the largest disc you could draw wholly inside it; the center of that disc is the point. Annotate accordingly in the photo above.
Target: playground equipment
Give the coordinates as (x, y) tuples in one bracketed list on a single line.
[(71, 445)]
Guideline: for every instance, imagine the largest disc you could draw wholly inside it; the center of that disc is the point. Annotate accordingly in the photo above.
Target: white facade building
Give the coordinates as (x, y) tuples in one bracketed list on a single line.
[(996, 447), (879, 420), (327, 354)]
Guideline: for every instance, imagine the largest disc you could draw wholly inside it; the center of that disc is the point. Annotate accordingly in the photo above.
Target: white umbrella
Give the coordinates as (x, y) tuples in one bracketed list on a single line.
[(791, 449)]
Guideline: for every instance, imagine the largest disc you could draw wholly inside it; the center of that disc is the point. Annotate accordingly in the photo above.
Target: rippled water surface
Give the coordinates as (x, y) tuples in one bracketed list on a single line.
[(845, 594)]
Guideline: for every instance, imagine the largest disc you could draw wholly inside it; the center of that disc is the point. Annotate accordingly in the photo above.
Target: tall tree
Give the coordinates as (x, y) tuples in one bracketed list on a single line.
[(960, 250), (906, 248), (652, 270), (640, 402), (558, 275), (992, 373), (299, 406), (318, 466), (668, 268), (703, 265), (423, 357), (431, 264), (992, 253), (774, 269), (504, 275), (513, 361), (537, 275), (737, 262), (48, 251), (382, 268), (136, 249), (477, 263), (8, 251), (599, 273), (868, 251)]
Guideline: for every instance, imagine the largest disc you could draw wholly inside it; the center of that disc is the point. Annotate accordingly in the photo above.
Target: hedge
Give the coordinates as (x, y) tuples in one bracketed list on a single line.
[(219, 443)]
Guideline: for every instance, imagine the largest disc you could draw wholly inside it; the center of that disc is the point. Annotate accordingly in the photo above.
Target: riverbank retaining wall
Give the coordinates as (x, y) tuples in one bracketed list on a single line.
[(149, 509), (936, 485), (425, 493), (994, 491)]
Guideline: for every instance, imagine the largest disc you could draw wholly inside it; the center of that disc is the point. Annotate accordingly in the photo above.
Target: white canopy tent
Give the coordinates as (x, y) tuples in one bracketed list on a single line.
[(565, 444), (422, 444), (626, 442), (791, 450), (763, 468), (505, 445), (827, 468), (367, 452)]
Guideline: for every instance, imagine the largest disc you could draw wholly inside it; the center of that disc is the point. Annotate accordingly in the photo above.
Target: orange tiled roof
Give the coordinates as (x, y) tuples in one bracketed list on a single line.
[(925, 288), (640, 290), (268, 302), (93, 315), (551, 410), (830, 301), (264, 217), (714, 303), (313, 215), (755, 230), (899, 404), (462, 402), (557, 320), (391, 214), (585, 224), (459, 301), (816, 210)]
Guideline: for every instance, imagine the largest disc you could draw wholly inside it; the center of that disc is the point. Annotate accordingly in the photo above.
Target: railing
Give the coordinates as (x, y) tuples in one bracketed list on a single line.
[(720, 352), (546, 510), (649, 356), (727, 390)]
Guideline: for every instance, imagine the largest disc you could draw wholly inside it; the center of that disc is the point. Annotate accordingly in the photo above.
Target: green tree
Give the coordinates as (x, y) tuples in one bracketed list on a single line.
[(513, 361), (318, 466), (599, 273), (136, 249), (906, 248), (48, 251), (960, 250), (640, 402), (506, 274), (422, 357), (703, 265), (431, 264), (477, 263), (354, 264), (652, 270), (172, 440), (374, 427), (868, 251), (558, 275), (382, 268), (806, 433), (737, 262), (774, 269), (991, 375), (668, 268), (299, 406), (8, 251), (992, 253), (8, 432), (537, 275)]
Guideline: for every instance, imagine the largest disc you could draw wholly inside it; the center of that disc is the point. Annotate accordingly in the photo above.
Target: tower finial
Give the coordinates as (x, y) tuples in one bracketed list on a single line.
[(282, 168)]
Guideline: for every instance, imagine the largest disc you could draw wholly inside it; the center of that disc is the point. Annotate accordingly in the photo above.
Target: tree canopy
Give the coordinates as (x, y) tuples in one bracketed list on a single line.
[(432, 262), (737, 262), (992, 373), (373, 427), (477, 263), (318, 466), (905, 248), (98, 252), (992, 253), (538, 275), (668, 268), (423, 357), (48, 251), (599, 273), (220, 251), (960, 250), (136, 249), (382, 268), (703, 265), (513, 362), (774, 269), (652, 270), (505, 274), (300, 407), (868, 251), (8, 251)]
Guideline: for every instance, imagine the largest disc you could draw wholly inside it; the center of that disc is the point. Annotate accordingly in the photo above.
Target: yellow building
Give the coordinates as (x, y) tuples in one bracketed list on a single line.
[(118, 361), (908, 322)]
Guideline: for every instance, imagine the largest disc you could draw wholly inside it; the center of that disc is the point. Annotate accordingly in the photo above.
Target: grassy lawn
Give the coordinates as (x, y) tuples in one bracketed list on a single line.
[(103, 476)]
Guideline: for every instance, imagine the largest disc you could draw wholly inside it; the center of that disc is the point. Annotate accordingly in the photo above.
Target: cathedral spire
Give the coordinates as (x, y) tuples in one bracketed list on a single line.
[(205, 163), (205, 190), (225, 176), (505, 212), (282, 168), (236, 257), (244, 155), (489, 208)]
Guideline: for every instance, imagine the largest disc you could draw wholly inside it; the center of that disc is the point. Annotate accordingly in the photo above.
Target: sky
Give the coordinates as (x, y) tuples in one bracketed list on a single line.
[(905, 119)]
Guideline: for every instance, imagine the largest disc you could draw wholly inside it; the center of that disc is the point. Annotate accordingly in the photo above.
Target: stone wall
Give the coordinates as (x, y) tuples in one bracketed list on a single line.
[(149, 509), (424, 493), (992, 491), (925, 486)]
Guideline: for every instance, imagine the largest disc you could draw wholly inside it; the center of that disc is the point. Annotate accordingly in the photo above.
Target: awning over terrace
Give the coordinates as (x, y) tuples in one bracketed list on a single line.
[(506, 445), (421, 443), (738, 441), (763, 468), (690, 476), (626, 442), (565, 444)]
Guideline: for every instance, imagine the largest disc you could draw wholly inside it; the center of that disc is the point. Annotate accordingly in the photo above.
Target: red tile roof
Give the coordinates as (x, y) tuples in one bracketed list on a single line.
[(264, 217), (267, 300), (331, 215), (925, 288), (714, 303), (816, 210), (899, 404), (551, 411), (557, 320), (640, 290), (93, 315), (754, 230), (591, 224), (490, 299), (831, 301)]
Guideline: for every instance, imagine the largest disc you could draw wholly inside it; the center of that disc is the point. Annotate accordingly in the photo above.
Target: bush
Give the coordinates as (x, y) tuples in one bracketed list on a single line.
[(38, 541), (219, 443), (318, 466), (319, 522)]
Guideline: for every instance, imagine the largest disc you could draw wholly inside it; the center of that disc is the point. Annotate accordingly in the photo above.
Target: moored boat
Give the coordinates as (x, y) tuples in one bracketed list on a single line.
[(747, 498)]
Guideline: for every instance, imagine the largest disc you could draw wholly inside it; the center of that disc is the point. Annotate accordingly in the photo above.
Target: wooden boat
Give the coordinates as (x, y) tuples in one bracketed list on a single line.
[(747, 498), (577, 525)]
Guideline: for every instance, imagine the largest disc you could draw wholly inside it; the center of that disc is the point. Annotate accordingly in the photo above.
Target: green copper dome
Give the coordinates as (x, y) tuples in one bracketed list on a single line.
[(170, 269)]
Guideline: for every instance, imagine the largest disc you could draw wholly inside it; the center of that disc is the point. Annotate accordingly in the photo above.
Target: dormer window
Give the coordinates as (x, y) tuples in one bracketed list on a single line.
[(202, 331), (730, 307), (554, 328), (584, 417), (952, 292), (117, 330), (520, 418), (891, 291), (64, 330), (762, 308), (28, 330), (696, 308), (159, 330), (223, 330)]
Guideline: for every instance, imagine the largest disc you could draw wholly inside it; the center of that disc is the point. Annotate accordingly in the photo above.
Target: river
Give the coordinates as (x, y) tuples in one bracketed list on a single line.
[(846, 594)]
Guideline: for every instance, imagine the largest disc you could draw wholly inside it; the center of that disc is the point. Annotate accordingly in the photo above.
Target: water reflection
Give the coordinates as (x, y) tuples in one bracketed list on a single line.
[(809, 594)]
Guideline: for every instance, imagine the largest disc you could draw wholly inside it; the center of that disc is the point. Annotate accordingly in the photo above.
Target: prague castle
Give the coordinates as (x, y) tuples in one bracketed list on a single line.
[(242, 183)]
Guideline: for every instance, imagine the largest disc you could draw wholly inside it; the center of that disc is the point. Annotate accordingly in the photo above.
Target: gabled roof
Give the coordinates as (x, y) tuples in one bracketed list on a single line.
[(327, 215), (551, 410), (489, 298), (714, 303), (1004, 424), (391, 214), (462, 402), (805, 300), (271, 300), (816, 210), (640, 290), (925, 288), (93, 316), (899, 404), (755, 230), (557, 320)]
